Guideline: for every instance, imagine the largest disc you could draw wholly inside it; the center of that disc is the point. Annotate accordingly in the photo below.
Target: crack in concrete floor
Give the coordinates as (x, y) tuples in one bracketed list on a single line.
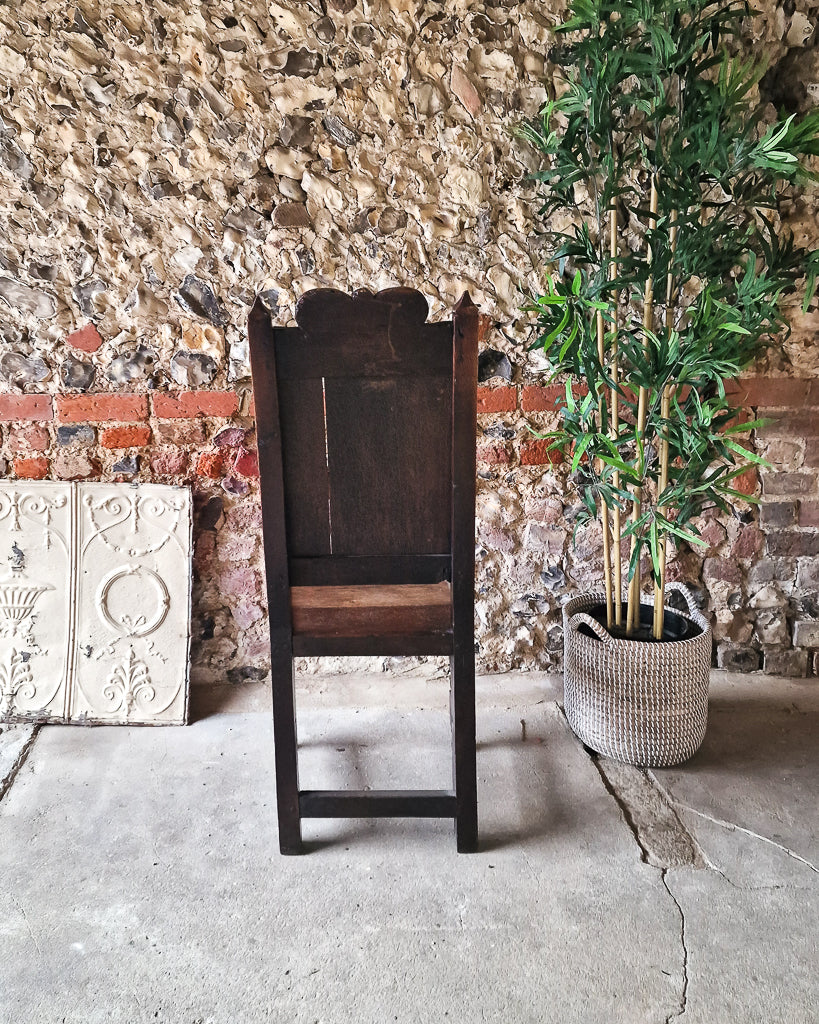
[(425, 931), (733, 827), (19, 758), (648, 811), (663, 839), (683, 940), (14, 899), (664, 842), (653, 816)]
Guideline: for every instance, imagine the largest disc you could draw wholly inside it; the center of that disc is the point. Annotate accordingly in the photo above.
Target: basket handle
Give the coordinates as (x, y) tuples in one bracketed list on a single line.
[(593, 624), (693, 610)]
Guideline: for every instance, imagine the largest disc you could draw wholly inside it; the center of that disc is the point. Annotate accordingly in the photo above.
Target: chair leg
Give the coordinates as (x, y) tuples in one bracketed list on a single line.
[(286, 754), (462, 715)]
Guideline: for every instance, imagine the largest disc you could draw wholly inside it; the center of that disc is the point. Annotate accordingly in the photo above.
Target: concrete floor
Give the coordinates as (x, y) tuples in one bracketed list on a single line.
[(140, 879)]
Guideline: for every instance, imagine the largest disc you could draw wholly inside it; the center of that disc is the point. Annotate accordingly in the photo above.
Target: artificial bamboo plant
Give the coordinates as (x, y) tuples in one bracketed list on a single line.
[(667, 278)]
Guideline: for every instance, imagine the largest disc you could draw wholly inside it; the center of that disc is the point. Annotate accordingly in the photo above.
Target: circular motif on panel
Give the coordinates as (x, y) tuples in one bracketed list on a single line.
[(133, 600)]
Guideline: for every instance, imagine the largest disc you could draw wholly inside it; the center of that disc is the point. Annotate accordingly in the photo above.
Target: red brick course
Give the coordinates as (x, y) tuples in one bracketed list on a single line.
[(788, 483), (775, 392), (792, 423), (503, 399), (793, 543), (545, 397), (196, 436), (539, 398), (809, 514), (768, 392), (25, 407), (187, 404), (536, 453), (31, 469), (812, 452), (125, 437), (102, 408)]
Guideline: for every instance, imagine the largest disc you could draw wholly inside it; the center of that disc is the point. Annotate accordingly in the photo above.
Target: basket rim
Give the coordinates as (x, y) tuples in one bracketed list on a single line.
[(623, 643)]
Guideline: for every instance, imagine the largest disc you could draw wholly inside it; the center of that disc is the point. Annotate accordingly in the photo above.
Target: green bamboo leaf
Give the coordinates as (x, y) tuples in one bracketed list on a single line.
[(567, 344), (686, 535), (614, 462), (654, 548), (747, 426), (745, 453), (578, 452), (554, 334)]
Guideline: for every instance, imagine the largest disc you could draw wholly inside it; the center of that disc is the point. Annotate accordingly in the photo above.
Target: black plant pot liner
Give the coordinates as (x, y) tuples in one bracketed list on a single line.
[(675, 626)]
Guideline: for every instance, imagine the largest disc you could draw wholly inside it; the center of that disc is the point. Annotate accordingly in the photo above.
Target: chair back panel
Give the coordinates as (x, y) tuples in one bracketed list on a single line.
[(304, 465), (389, 447)]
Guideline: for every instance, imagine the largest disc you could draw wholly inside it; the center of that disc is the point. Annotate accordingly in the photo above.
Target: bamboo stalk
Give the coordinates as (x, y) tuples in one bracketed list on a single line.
[(633, 615), (601, 355), (665, 412), (615, 428)]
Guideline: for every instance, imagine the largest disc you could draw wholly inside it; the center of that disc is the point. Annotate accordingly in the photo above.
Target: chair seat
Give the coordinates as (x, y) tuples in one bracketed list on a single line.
[(359, 611)]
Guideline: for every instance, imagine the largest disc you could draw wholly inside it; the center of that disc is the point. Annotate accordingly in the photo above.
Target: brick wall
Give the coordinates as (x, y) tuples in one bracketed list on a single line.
[(759, 576), (179, 437)]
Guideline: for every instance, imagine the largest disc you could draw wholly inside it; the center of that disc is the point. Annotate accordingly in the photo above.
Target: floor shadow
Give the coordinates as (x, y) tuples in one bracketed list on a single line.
[(524, 792), (756, 738), (207, 701), (531, 792)]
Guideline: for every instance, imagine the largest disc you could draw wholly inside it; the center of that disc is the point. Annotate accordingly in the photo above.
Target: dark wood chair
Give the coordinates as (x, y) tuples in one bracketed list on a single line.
[(365, 416)]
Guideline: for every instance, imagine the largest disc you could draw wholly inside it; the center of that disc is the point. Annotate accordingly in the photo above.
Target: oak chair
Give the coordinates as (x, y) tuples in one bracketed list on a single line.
[(365, 417)]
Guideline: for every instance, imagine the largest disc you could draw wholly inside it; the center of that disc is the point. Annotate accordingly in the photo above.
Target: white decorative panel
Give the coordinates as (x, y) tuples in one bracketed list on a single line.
[(35, 597), (94, 602), (133, 560)]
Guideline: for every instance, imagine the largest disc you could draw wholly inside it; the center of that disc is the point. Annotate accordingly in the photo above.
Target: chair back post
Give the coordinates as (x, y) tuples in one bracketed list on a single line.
[(274, 542), (466, 326)]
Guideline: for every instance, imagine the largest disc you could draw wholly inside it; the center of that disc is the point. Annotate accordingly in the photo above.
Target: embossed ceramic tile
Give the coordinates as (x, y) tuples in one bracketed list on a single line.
[(95, 600), (133, 612), (35, 593)]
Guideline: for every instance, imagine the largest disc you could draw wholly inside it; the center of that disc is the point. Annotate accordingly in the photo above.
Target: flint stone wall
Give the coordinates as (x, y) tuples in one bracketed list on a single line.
[(162, 164)]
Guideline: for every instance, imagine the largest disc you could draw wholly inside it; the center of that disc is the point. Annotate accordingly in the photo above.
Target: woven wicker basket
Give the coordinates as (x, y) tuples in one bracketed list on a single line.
[(642, 703)]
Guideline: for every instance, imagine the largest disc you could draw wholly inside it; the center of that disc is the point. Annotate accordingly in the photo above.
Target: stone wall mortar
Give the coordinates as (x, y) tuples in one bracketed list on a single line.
[(161, 165)]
